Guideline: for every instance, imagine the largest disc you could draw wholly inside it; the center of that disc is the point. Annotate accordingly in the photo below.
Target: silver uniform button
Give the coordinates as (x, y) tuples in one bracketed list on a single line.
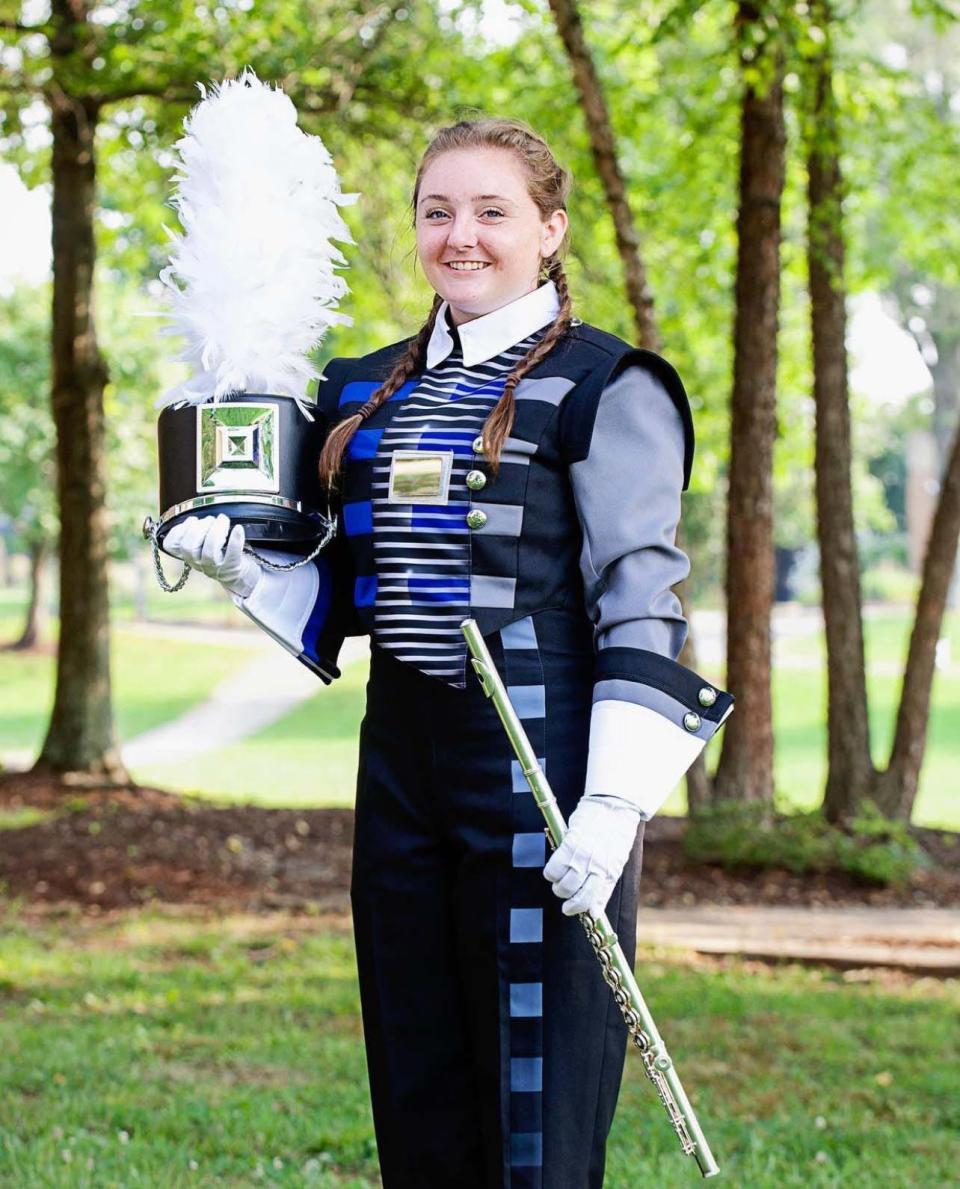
[(476, 480), (478, 444), (707, 696), (476, 518), (691, 721)]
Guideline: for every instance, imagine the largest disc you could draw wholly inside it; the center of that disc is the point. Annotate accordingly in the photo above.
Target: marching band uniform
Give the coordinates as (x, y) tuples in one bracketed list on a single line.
[(494, 1048)]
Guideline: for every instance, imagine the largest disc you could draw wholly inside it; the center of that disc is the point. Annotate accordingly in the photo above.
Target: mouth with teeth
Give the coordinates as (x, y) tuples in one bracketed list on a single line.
[(467, 265)]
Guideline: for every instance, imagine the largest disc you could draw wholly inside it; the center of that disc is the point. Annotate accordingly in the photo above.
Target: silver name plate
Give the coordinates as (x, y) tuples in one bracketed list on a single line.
[(420, 477)]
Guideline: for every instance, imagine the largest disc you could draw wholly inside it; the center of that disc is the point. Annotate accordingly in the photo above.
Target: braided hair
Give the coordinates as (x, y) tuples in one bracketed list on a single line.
[(548, 184)]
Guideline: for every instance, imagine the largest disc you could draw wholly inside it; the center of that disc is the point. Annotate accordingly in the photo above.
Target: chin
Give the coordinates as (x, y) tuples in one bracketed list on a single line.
[(475, 303), (475, 306)]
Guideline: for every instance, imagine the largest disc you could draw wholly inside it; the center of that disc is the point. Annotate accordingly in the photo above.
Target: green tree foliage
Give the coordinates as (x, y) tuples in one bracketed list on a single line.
[(80, 62), (26, 463), (670, 77), (375, 79)]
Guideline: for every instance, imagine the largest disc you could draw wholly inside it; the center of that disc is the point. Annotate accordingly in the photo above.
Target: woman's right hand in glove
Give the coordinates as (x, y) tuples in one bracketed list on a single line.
[(207, 544)]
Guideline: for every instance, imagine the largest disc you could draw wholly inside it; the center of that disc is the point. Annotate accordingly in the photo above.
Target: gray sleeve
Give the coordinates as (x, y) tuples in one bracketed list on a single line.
[(627, 494)]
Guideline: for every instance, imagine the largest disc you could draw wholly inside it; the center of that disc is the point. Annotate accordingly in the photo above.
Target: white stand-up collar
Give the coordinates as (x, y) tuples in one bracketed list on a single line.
[(484, 337)]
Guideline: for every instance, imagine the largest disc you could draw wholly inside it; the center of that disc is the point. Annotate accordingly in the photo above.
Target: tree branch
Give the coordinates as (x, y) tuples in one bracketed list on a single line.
[(308, 101), (169, 93), (344, 89)]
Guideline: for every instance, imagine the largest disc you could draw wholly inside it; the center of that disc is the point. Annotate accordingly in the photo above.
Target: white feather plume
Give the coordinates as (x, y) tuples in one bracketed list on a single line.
[(252, 277)]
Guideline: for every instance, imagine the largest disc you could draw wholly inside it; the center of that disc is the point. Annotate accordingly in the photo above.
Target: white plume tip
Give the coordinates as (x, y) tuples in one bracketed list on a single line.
[(252, 277)]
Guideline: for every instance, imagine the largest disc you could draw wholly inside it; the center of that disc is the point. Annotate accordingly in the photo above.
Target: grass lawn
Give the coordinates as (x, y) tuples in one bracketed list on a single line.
[(309, 757), (886, 637), (164, 1050), (144, 694), (801, 741), (200, 601), (800, 710)]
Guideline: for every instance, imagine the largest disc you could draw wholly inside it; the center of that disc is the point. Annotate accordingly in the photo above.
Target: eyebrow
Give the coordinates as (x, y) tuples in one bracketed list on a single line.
[(475, 198)]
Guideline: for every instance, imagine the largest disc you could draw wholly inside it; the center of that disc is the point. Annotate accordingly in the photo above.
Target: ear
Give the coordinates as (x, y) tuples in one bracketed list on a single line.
[(552, 232)]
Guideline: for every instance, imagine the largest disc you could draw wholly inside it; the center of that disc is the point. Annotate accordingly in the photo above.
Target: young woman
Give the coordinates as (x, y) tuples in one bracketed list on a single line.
[(514, 464)]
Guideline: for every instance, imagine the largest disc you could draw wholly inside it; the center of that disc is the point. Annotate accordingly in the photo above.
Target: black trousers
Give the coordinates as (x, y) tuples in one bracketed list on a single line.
[(494, 1048)]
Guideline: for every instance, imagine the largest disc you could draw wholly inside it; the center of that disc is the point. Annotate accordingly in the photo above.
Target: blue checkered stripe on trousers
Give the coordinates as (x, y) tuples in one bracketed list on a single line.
[(523, 677)]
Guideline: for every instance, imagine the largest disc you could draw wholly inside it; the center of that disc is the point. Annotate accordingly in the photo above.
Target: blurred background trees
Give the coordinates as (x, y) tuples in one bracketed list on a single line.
[(747, 177)]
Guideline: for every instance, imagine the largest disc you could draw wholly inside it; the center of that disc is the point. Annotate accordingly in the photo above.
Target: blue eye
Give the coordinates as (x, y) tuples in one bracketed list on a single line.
[(491, 210)]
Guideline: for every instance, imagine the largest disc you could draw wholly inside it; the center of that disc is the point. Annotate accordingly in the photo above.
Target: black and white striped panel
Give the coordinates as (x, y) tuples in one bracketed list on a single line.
[(423, 551)]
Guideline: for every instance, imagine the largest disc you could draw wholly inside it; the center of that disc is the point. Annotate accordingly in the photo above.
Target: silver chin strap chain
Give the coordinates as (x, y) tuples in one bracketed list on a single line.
[(151, 527)]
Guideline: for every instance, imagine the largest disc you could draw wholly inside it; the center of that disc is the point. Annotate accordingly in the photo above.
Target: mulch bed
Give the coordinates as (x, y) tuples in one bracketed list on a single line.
[(110, 848)]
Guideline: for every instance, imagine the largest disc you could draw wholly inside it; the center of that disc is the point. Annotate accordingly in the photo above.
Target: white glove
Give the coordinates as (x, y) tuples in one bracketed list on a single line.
[(202, 543), (588, 862)]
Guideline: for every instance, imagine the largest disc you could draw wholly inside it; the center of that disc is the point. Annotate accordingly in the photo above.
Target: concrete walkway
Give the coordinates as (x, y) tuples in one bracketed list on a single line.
[(919, 940), (265, 689), (274, 683), (270, 686)]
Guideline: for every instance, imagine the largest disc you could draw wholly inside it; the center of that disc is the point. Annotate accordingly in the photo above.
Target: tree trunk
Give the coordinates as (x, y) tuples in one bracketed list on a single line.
[(942, 327), (745, 769), (80, 737), (939, 328), (603, 147), (30, 634), (850, 767), (639, 293), (895, 789), (945, 370)]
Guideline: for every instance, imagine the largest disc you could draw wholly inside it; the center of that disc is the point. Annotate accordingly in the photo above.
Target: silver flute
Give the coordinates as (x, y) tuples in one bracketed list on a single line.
[(613, 962)]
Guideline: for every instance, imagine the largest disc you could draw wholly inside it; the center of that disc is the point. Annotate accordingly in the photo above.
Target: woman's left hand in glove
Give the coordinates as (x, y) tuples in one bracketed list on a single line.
[(585, 867)]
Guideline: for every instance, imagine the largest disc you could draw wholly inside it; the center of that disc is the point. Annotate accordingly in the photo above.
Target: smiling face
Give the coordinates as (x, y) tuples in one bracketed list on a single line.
[(480, 236)]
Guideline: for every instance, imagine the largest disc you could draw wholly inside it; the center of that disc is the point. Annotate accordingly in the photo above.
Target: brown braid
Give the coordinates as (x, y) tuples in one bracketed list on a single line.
[(548, 184), (331, 456), (497, 427)]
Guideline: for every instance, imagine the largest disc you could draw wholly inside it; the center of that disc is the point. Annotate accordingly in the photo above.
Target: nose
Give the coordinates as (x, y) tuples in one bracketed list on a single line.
[(462, 232)]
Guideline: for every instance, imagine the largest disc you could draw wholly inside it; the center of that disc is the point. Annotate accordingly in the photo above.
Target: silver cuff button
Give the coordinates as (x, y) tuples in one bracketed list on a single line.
[(707, 696), (691, 721), (476, 480), (476, 518)]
